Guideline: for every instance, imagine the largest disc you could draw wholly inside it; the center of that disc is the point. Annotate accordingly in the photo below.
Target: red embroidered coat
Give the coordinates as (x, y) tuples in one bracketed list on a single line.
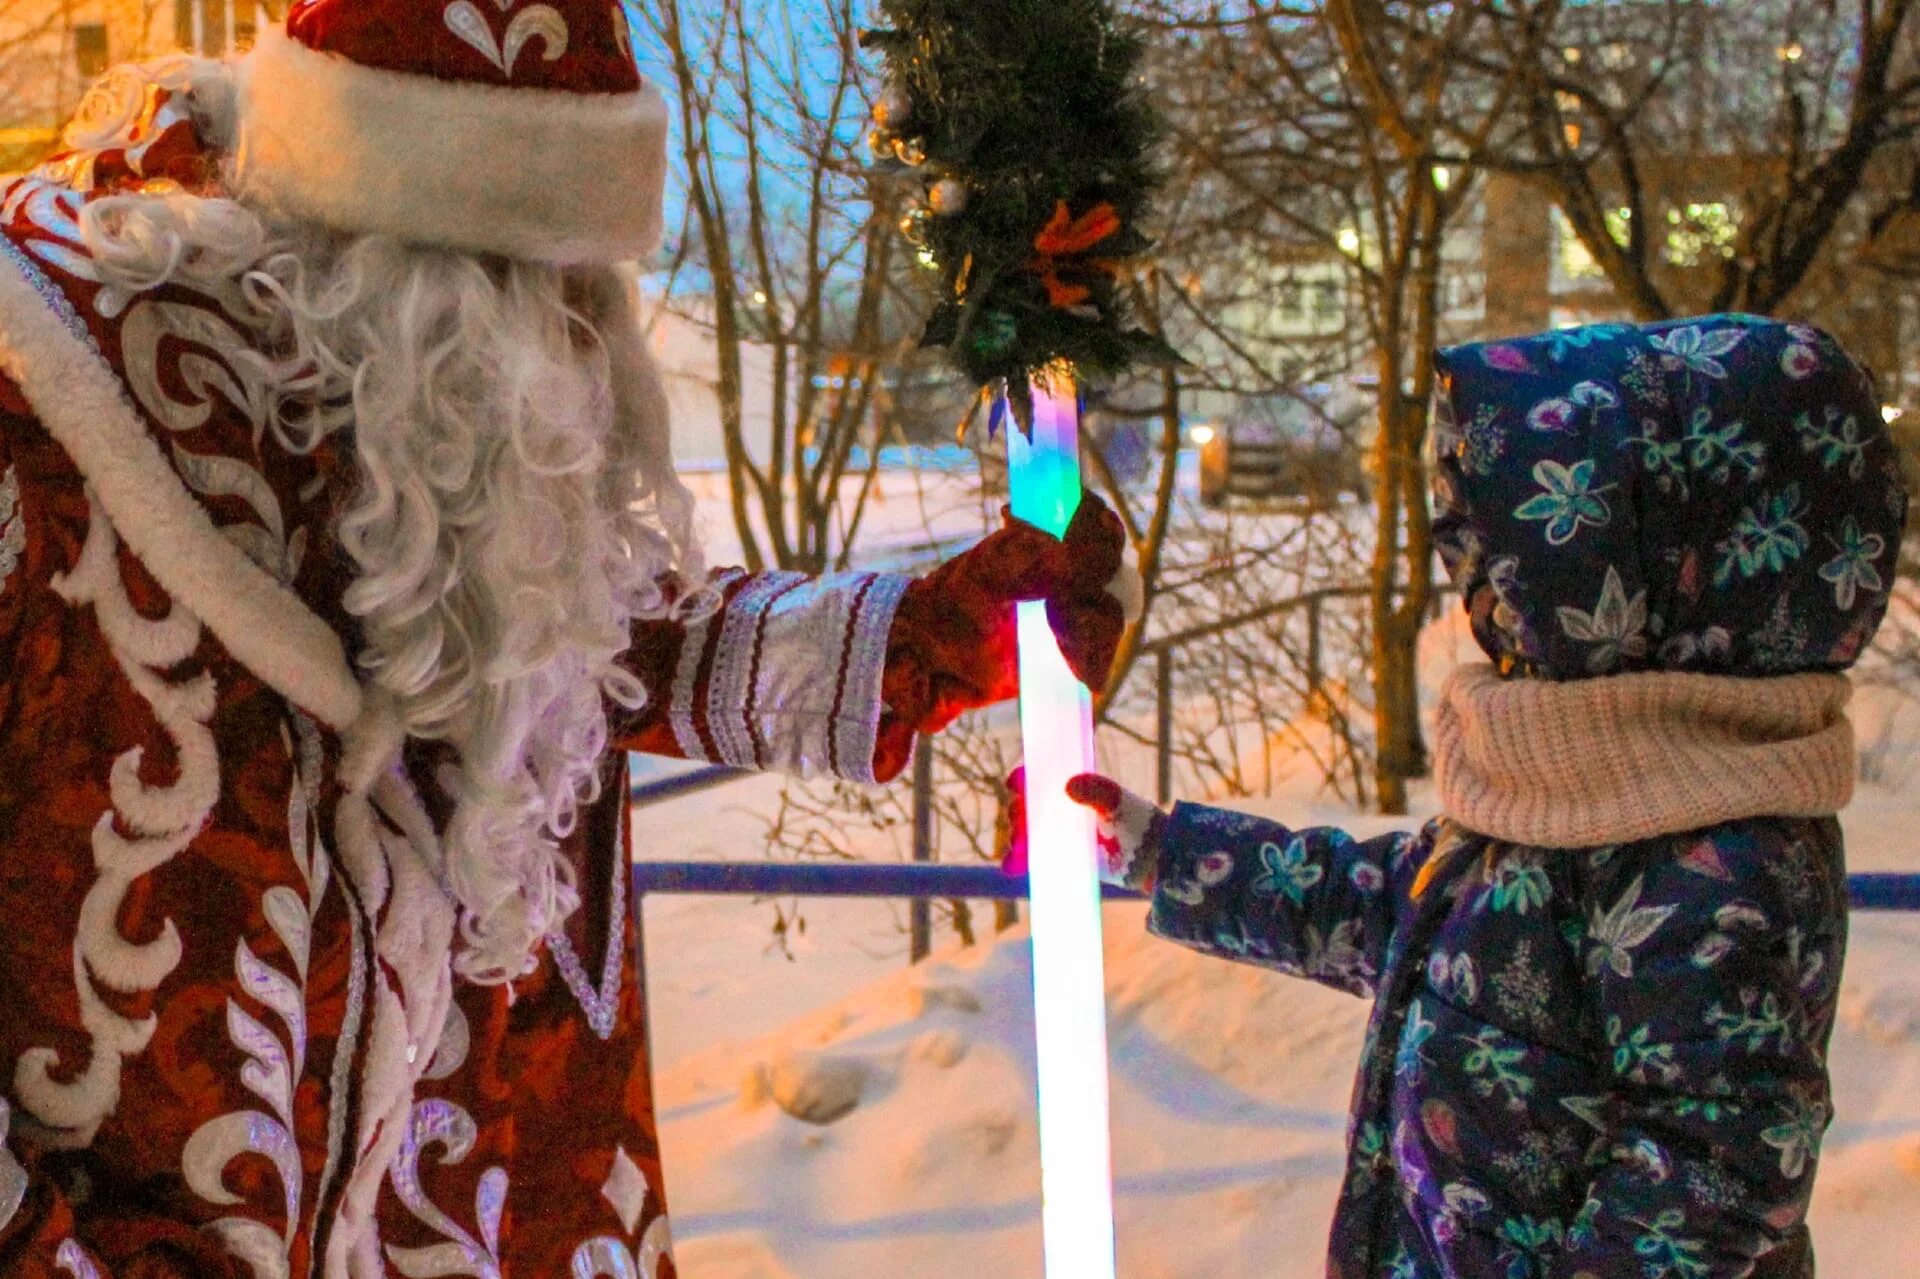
[(230, 1042)]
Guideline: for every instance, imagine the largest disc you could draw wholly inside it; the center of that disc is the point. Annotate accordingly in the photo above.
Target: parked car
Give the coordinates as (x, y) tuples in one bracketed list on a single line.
[(1306, 454)]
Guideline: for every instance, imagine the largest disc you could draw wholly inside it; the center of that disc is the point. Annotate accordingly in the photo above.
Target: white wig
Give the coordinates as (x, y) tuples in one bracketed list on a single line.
[(515, 509)]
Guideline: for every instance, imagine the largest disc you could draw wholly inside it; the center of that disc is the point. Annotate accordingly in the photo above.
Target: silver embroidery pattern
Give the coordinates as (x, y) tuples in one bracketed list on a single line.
[(626, 1189), (73, 1259), (456, 1042), (823, 651), (609, 1257), (49, 291), (13, 1178), (268, 546), (187, 329), (303, 815), (342, 1081), (109, 299), (601, 1004), (441, 1123), (161, 821), (273, 1068), (857, 730), (13, 527), (150, 324), (540, 21), (109, 118), (686, 676), (730, 691)]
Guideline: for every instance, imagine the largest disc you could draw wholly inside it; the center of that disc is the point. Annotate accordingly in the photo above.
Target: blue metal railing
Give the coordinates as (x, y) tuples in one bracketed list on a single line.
[(1884, 892), (849, 879), (682, 784), (985, 883)]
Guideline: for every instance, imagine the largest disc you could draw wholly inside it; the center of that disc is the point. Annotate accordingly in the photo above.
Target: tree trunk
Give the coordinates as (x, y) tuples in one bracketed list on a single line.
[(1149, 544), (1390, 710), (963, 921)]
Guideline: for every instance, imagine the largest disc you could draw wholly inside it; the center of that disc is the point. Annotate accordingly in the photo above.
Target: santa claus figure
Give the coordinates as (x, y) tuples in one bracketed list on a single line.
[(341, 557)]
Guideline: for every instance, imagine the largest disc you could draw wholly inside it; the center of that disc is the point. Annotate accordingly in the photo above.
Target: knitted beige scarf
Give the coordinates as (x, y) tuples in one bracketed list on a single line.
[(1613, 761)]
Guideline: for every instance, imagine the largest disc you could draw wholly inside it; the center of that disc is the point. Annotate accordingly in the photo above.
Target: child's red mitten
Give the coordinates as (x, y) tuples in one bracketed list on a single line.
[(1128, 829)]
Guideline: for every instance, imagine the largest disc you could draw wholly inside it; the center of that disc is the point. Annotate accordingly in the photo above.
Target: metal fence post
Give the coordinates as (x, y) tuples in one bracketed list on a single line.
[(920, 914), (1163, 664)]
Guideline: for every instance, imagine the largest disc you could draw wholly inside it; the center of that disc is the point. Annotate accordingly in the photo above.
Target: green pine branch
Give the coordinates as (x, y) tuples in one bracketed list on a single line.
[(1028, 106)]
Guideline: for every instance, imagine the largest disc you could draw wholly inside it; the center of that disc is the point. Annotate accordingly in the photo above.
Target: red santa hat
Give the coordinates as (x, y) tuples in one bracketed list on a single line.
[(519, 127)]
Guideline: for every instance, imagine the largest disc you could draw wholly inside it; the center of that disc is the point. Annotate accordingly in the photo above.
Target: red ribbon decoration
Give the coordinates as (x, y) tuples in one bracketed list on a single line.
[(1066, 236)]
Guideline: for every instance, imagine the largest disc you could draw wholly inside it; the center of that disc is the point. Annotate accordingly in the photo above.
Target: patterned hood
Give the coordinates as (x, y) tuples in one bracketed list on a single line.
[(1716, 495)]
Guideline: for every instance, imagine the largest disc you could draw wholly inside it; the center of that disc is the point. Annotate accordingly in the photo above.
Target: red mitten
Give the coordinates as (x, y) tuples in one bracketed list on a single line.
[(1128, 830), (954, 647)]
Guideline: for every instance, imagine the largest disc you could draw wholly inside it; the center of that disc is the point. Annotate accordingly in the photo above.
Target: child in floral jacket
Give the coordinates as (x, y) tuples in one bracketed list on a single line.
[(1604, 981)]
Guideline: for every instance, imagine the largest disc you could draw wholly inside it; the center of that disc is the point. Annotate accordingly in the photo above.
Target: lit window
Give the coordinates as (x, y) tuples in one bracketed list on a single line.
[(90, 48), (213, 27), (1573, 259)]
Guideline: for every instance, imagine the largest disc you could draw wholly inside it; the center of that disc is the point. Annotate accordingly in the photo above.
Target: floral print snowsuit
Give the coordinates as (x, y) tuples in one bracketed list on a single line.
[(1610, 1062)]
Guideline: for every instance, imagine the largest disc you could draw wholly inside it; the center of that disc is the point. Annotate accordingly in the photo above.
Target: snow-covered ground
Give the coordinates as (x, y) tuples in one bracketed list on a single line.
[(1230, 1089), (1230, 1085)]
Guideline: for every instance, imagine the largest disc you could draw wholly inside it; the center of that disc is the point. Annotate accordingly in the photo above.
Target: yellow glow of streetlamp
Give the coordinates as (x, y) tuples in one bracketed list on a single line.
[(1203, 435)]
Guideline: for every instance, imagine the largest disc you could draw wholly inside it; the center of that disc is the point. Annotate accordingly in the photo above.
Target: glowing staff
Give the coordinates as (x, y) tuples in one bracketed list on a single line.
[(1069, 984)]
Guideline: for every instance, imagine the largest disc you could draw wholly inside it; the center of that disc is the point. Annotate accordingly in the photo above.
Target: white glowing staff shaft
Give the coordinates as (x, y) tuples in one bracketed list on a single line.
[(1069, 984)]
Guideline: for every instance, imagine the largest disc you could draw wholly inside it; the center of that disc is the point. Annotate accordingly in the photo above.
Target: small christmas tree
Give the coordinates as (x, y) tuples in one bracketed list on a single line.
[(1027, 122)]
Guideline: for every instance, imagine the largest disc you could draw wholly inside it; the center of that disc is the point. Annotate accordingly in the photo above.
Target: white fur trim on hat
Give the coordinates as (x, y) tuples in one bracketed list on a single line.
[(536, 174)]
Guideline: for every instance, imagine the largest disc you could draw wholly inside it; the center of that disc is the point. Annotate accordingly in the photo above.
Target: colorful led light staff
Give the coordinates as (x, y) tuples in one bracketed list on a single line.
[(1069, 983)]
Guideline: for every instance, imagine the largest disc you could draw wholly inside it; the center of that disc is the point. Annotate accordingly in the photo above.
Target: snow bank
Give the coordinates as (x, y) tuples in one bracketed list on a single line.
[(1230, 1090)]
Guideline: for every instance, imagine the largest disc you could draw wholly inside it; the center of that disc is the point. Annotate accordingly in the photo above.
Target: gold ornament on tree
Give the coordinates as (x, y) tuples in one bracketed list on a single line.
[(909, 152), (891, 109), (914, 226), (948, 198)]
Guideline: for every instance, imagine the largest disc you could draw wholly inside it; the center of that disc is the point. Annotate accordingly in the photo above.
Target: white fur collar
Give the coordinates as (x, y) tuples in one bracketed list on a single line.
[(83, 406)]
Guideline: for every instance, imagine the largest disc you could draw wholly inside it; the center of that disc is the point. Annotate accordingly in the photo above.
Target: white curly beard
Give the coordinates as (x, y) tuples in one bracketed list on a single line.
[(515, 509)]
